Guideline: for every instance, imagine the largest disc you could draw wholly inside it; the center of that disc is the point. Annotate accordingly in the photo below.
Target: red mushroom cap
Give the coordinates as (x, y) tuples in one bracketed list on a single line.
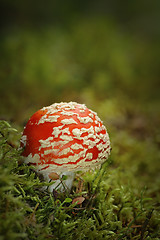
[(65, 137)]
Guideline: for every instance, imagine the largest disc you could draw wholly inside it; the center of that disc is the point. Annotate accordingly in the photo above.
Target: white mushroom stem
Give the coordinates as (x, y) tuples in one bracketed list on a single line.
[(63, 185)]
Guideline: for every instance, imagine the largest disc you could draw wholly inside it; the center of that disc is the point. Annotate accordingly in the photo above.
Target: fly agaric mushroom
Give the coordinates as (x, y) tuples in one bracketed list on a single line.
[(64, 138)]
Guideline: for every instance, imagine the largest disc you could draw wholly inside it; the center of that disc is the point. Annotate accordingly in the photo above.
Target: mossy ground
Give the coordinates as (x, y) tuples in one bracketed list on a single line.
[(116, 204)]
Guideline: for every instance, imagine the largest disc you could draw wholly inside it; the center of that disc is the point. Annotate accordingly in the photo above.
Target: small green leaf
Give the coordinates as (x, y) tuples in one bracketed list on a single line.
[(64, 177), (67, 200)]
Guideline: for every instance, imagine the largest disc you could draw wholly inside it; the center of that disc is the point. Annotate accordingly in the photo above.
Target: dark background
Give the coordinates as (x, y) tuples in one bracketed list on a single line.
[(57, 50)]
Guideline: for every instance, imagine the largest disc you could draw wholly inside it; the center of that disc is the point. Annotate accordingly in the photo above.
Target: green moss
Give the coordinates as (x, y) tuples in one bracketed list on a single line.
[(113, 207)]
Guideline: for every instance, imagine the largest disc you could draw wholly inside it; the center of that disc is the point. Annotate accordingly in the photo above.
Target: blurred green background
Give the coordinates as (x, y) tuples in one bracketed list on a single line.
[(101, 53)]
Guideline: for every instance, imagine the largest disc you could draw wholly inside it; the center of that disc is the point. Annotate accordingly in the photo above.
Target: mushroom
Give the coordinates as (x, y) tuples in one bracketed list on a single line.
[(64, 138)]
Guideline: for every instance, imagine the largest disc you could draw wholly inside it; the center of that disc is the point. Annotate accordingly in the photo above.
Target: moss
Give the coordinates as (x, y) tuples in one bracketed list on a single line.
[(112, 209)]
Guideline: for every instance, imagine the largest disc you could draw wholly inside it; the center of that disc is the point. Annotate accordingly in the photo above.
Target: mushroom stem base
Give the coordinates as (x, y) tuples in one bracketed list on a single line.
[(63, 185)]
